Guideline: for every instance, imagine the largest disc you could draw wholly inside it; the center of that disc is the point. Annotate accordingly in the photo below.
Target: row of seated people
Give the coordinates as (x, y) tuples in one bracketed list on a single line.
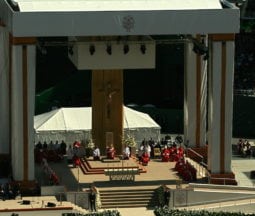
[(111, 153), (50, 155), (9, 191), (186, 170), (52, 152), (172, 153), (60, 147)]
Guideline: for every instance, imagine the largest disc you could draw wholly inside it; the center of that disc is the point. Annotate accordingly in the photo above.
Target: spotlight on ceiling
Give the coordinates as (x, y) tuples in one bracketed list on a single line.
[(143, 48), (109, 49), (126, 49), (92, 49)]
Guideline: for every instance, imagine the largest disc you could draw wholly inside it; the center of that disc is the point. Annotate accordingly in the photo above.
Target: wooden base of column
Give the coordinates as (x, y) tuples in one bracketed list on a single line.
[(223, 179), (28, 188)]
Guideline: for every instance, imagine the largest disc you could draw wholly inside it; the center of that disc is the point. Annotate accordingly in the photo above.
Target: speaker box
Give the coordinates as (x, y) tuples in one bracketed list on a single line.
[(50, 204), (26, 202)]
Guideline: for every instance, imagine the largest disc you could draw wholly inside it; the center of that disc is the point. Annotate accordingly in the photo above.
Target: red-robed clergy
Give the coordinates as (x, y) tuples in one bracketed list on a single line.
[(165, 154), (110, 151), (76, 161), (145, 159)]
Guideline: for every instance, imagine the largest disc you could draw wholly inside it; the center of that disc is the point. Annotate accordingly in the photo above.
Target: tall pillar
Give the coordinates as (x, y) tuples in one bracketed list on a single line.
[(107, 109), (221, 75), (22, 81), (4, 92), (195, 95)]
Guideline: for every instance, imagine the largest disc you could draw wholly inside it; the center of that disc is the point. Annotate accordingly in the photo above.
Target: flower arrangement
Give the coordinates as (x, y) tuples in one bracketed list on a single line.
[(91, 144), (129, 141), (98, 199), (160, 195)]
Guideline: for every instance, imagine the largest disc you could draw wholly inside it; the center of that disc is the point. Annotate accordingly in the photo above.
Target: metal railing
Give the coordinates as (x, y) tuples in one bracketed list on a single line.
[(217, 203), (196, 153), (220, 179)]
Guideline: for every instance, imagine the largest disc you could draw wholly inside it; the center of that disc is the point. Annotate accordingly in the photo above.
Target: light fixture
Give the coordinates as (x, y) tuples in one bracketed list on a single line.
[(143, 48), (206, 56), (126, 49), (109, 49), (199, 48), (92, 49)]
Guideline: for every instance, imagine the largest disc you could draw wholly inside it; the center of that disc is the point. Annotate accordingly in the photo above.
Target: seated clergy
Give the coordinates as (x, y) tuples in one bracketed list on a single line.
[(110, 151), (96, 153), (145, 159), (126, 153), (165, 154)]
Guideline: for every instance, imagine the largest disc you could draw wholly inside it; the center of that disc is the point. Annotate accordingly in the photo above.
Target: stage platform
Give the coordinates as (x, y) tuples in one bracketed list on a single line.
[(153, 175)]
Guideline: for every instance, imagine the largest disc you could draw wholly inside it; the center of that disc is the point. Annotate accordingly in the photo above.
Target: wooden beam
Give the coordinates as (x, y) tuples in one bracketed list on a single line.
[(222, 37), (22, 40)]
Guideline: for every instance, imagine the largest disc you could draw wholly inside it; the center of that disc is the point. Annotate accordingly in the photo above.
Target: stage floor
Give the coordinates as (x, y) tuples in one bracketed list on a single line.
[(157, 173)]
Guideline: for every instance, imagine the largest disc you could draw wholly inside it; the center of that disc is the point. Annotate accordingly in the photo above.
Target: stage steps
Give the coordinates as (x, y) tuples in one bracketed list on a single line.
[(128, 198), (88, 170)]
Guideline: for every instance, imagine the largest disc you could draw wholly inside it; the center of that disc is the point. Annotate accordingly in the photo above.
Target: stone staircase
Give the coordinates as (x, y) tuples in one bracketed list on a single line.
[(127, 198)]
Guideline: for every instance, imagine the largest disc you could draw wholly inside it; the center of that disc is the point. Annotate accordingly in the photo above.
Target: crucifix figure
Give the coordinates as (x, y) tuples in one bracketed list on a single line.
[(109, 92)]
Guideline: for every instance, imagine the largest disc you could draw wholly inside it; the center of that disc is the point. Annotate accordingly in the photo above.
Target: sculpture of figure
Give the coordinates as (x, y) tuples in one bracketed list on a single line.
[(110, 92)]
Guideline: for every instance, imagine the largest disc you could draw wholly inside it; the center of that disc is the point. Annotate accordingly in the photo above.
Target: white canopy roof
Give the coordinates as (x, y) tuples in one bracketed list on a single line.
[(75, 123), (115, 5), (118, 17)]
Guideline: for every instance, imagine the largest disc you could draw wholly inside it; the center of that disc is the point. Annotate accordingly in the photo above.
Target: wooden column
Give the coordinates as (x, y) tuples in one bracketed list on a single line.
[(107, 109), (221, 108), (195, 84), (22, 73)]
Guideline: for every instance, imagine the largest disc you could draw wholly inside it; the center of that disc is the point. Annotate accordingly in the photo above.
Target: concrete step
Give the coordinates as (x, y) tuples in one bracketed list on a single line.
[(127, 198), (125, 205)]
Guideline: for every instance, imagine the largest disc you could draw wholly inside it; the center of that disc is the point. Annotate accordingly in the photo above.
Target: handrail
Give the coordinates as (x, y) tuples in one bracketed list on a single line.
[(204, 164), (215, 178), (218, 201), (199, 155)]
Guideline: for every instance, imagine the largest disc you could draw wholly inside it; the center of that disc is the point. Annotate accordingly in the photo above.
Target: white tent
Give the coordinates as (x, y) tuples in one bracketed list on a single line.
[(70, 124)]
